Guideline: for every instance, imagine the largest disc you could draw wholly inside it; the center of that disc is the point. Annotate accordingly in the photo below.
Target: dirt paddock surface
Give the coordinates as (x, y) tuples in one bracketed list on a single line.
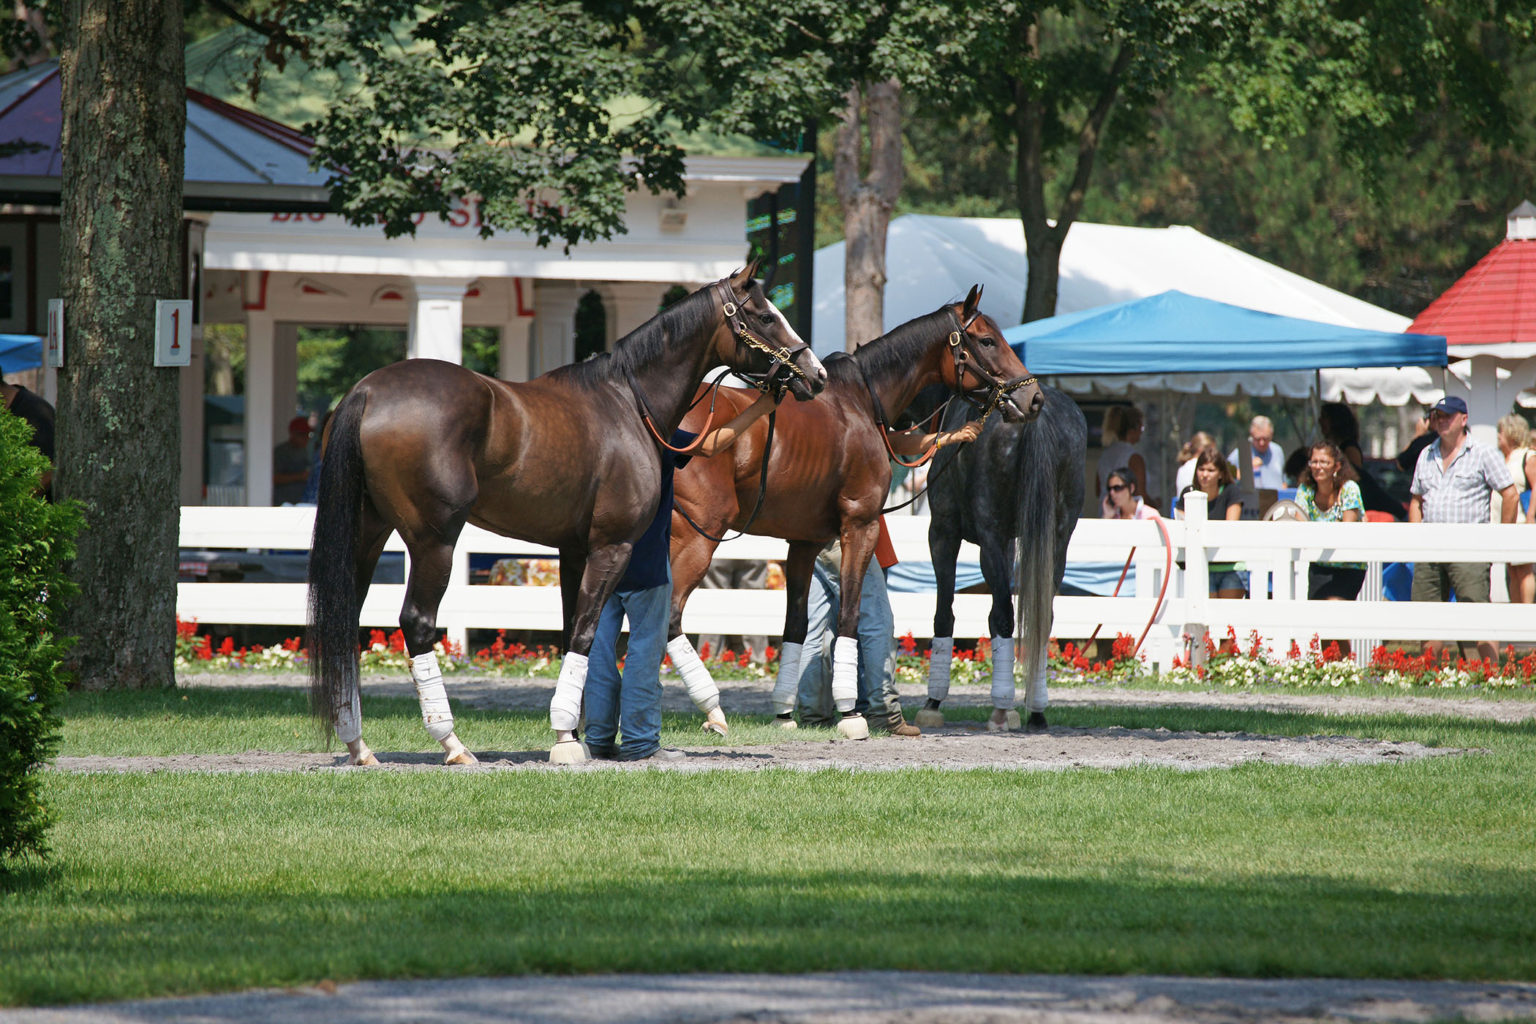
[(959, 746), (858, 997), (868, 997)]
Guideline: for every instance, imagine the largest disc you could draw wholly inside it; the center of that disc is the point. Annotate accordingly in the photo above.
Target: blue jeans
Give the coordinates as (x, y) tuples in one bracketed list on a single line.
[(877, 655), (629, 707)]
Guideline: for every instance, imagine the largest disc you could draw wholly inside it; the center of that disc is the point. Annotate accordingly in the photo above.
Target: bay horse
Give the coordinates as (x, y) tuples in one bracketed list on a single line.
[(569, 459), (1016, 482), (829, 472)]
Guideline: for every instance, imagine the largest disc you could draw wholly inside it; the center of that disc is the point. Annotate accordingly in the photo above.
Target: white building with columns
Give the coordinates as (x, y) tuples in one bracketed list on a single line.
[(276, 272)]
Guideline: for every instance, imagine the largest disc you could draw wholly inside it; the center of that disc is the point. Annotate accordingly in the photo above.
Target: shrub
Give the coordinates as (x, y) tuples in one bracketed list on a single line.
[(36, 539)]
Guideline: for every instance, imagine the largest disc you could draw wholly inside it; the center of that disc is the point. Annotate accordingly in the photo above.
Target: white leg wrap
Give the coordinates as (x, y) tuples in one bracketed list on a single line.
[(941, 650), (1002, 672), (565, 705), (349, 721), (845, 673), (787, 684), (1036, 693), (696, 678), (430, 694)]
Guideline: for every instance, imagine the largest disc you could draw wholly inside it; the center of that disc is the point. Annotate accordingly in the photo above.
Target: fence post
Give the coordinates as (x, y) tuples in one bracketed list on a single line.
[(1197, 576)]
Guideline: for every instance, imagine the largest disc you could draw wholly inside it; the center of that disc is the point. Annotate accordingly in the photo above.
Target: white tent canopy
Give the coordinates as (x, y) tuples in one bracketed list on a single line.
[(932, 260)]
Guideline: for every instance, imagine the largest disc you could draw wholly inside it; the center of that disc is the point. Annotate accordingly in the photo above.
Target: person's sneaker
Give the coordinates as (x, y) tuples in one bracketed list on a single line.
[(662, 754)]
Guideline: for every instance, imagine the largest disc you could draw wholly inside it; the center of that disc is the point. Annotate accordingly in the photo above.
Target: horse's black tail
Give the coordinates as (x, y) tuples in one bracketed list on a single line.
[(334, 603), (1051, 458)]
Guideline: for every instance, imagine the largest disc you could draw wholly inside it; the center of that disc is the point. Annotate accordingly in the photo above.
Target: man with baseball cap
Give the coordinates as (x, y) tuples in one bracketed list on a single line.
[(1452, 482), (290, 464)]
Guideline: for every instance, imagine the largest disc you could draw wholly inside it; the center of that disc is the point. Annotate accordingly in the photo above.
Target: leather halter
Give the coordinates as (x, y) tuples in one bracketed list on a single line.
[(783, 358), (994, 390)]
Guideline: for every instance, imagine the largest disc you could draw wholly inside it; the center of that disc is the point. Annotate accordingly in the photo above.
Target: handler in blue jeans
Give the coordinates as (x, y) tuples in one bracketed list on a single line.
[(624, 712)]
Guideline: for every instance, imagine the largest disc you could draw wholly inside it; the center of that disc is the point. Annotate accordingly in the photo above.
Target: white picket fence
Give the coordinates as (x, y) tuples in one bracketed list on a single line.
[(1277, 555)]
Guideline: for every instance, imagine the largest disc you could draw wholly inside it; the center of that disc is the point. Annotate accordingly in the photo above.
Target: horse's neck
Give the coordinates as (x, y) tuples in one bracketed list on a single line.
[(669, 383), (916, 366)]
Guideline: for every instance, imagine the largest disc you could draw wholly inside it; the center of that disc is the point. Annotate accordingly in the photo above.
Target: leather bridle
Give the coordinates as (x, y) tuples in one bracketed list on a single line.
[(994, 390), (783, 357)]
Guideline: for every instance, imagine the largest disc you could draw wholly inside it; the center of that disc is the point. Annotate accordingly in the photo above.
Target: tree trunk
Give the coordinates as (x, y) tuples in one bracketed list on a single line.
[(118, 442), (867, 202), (1044, 238)]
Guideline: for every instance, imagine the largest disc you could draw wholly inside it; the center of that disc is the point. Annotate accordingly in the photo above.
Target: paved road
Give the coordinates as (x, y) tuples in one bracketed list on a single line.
[(850, 998)]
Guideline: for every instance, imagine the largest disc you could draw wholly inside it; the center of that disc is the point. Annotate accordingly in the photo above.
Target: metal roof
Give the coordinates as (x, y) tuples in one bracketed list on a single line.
[(235, 159), (1494, 303)]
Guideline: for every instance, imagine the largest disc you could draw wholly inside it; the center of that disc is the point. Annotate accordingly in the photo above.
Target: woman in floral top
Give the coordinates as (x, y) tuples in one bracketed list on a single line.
[(1328, 494)]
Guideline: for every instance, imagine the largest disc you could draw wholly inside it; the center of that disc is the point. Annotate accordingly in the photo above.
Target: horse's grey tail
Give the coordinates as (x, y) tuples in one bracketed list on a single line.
[(1052, 455), (334, 604)]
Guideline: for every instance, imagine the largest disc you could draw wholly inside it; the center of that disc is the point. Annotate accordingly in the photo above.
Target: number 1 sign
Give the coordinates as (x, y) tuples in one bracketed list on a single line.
[(173, 332)]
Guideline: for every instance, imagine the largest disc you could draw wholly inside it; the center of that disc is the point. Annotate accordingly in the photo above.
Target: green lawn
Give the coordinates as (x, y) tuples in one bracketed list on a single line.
[(179, 883)]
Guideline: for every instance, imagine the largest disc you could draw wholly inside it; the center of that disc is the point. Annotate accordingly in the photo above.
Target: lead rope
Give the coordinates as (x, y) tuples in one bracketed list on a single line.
[(762, 491)]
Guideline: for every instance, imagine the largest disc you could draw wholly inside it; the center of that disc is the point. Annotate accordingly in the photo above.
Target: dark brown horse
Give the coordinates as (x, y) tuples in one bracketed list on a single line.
[(829, 472), (570, 460)]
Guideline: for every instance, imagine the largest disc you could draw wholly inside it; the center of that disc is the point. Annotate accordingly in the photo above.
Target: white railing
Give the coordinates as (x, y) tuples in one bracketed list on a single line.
[(1277, 554)]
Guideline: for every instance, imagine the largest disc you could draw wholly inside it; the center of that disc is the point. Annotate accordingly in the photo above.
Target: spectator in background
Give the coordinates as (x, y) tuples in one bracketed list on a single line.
[(1327, 493), (1514, 445), (1186, 459), (1120, 498), (1265, 464), (1422, 437), (290, 464), (736, 574), (1213, 476), (1452, 483), (36, 410), (1337, 423), (1121, 433)]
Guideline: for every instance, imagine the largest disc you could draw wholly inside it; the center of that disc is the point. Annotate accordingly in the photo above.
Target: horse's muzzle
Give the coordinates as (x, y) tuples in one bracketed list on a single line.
[(814, 379), (1024, 404)]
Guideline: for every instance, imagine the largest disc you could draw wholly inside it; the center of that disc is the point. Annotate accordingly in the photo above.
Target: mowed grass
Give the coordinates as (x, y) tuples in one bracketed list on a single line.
[(177, 883)]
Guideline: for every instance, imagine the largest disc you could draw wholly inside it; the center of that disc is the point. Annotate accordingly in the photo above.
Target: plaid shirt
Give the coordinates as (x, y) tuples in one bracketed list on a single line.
[(1459, 493)]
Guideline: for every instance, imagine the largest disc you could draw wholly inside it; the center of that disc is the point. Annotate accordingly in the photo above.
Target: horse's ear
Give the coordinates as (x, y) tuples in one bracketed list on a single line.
[(744, 276), (972, 303)]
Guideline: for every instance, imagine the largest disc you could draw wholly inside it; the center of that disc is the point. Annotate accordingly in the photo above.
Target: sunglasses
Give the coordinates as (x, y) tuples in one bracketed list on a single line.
[(1116, 488)]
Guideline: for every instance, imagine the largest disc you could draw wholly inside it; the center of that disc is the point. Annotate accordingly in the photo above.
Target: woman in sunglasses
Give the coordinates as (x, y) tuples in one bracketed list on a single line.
[(1121, 500)]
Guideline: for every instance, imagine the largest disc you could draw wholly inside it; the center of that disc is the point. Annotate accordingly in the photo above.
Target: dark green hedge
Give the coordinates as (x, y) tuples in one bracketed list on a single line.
[(36, 540)]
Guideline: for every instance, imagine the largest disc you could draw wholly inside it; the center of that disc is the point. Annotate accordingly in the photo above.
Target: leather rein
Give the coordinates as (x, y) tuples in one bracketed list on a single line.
[(987, 398)]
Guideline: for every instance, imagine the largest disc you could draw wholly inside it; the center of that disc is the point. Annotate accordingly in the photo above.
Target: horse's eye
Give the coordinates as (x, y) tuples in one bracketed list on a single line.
[(987, 342), (766, 318)]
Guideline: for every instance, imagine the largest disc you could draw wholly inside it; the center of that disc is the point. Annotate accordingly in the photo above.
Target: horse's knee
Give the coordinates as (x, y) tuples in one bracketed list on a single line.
[(1000, 621), (419, 630)]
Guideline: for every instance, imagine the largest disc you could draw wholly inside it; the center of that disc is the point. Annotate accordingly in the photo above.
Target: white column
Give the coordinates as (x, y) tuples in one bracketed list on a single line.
[(1483, 409), (514, 354), (629, 306), (554, 325), (259, 428), (437, 319)]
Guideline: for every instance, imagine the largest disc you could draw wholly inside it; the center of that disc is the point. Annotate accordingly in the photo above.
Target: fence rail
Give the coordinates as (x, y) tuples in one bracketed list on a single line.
[(1277, 555)]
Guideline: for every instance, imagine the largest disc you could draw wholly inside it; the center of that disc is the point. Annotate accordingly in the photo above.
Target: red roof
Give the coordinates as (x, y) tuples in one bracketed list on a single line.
[(1493, 303)]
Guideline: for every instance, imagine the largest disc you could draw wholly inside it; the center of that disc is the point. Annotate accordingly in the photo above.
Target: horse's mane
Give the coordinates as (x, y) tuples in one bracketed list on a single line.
[(645, 344), (889, 352)]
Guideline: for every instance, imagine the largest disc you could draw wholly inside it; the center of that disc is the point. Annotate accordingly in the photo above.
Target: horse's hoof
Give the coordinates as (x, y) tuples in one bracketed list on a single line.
[(929, 718), (715, 722), (1003, 720), (853, 727), (1035, 722), (462, 757), (568, 752), (785, 721), (366, 761)]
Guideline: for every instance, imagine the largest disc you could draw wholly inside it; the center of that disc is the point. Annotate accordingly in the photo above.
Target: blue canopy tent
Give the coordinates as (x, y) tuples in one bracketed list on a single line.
[(1172, 333), (20, 352), (1176, 333)]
